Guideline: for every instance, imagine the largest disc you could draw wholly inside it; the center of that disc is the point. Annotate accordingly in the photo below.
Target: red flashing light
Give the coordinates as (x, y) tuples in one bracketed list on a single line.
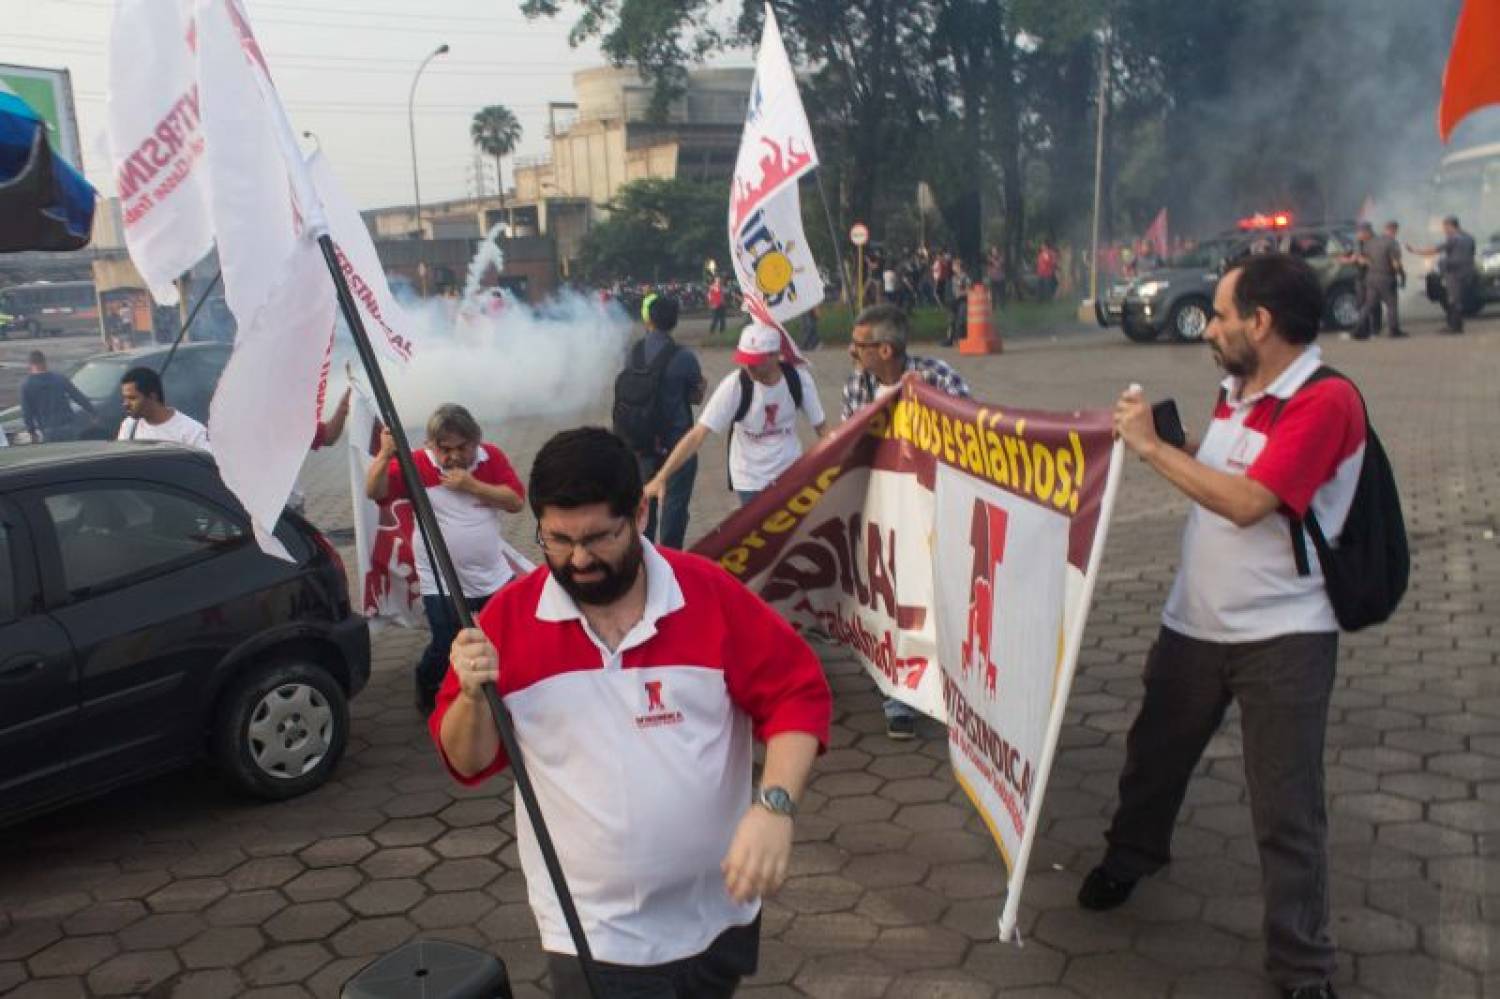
[(1278, 220)]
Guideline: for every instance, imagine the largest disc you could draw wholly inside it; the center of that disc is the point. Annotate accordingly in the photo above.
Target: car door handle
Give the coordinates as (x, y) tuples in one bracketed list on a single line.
[(20, 667)]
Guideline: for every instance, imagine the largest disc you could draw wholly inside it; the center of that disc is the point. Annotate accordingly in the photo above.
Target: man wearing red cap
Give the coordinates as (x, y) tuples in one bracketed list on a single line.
[(758, 406)]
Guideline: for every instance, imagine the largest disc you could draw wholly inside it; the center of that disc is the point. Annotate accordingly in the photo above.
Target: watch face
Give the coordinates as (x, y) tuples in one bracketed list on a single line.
[(777, 800)]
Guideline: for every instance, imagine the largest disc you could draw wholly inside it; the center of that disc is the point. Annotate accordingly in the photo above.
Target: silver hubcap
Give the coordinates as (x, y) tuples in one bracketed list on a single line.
[(290, 731), (1345, 310), (1191, 322)]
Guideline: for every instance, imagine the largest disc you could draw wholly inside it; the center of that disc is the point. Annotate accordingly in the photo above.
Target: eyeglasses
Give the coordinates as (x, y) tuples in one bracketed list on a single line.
[(559, 546)]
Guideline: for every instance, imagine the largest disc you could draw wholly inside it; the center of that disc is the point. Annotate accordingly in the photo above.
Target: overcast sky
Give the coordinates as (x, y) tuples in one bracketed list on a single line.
[(344, 69)]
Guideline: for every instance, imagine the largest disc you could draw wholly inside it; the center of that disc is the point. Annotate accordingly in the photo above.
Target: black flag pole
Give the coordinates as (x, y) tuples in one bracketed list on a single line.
[(443, 564)]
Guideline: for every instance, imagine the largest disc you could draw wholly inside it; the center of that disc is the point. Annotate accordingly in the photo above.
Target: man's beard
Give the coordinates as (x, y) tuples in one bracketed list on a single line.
[(1243, 366), (614, 581)]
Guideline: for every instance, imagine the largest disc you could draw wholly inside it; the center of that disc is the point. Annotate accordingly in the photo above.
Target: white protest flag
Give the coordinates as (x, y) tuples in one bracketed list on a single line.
[(265, 217), (385, 570), (774, 265), (156, 141), (388, 324)]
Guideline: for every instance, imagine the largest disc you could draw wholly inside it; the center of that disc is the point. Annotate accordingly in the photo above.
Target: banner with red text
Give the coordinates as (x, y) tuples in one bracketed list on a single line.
[(952, 546)]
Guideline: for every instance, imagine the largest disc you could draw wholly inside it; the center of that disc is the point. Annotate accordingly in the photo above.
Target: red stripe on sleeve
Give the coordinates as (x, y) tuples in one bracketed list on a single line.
[(1320, 427)]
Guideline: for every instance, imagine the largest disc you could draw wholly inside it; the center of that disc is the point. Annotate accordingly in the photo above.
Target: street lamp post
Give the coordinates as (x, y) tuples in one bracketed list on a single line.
[(416, 185)]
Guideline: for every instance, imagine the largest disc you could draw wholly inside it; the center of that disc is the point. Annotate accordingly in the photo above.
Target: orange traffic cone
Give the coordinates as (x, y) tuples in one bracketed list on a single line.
[(981, 336)]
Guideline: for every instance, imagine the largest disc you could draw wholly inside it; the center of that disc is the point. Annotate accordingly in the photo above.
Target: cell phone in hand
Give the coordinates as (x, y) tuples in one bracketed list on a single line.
[(1168, 423)]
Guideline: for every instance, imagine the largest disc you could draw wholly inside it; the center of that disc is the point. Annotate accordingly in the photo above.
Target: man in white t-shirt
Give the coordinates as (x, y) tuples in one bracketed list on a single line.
[(149, 418), (758, 406)]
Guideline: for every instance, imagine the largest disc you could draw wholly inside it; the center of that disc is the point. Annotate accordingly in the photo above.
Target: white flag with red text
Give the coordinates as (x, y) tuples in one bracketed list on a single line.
[(156, 140), (772, 260)]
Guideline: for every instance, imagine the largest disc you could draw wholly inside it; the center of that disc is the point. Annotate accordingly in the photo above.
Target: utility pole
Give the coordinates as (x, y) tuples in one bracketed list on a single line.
[(1100, 114)]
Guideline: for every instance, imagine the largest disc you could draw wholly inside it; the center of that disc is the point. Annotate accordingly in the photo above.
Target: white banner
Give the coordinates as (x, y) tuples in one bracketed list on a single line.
[(156, 140), (264, 214), (385, 570), (389, 325), (952, 547), (772, 261)]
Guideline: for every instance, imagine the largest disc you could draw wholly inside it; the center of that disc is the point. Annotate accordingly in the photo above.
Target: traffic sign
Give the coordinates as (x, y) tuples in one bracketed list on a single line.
[(859, 234)]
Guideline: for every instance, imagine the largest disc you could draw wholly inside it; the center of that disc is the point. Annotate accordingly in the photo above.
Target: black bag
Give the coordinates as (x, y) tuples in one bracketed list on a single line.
[(637, 410), (747, 389), (1366, 572)]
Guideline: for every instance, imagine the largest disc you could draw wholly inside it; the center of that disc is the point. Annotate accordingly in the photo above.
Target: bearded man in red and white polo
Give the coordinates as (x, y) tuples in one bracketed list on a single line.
[(638, 679), (469, 483)]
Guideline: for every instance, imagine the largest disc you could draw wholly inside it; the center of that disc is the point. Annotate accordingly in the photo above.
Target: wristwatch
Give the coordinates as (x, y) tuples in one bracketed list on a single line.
[(776, 800)]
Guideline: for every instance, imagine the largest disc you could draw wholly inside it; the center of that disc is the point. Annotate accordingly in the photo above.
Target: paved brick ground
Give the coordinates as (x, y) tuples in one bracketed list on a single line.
[(176, 888)]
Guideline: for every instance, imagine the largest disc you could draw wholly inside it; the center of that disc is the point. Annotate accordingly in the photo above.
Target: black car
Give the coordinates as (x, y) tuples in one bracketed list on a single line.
[(189, 384), (1176, 299), (142, 628)]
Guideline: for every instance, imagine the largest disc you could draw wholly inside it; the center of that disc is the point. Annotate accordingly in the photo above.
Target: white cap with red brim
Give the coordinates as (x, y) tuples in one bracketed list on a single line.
[(758, 343)]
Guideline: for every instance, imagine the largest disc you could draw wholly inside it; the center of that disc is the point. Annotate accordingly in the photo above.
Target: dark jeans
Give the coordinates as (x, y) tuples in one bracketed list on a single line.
[(1282, 686), (716, 324), (1454, 287), (442, 622), (713, 974), (674, 512)]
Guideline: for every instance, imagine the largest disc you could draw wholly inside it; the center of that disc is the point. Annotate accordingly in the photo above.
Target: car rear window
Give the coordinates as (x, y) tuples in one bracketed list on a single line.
[(109, 537)]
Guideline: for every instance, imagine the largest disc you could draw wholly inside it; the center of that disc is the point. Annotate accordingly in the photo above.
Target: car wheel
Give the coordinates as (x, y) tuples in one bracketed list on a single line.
[(1188, 320), (1343, 307), (281, 729), (1138, 333)]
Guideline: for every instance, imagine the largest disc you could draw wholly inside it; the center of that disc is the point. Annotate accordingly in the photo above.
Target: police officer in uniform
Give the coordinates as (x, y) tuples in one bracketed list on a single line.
[(1380, 262), (1456, 264)]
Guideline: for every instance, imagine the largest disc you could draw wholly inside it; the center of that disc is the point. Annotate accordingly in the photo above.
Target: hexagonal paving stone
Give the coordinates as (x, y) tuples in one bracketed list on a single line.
[(338, 851), (105, 917), (133, 974), (408, 832), (832, 931), (187, 895), (215, 982), (886, 870), (306, 921), (221, 947), (136, 885), (1005, 965), (264, 872), (910, 905), (1423, 839), (387, 897), (322, 884), (72, 956), (456, 908), (165, 929), (842, 976), (1414, 975), (372, 937), (459, 875), (872, 837), (471, 841), (249, 908), (401, 862), (286, 964)]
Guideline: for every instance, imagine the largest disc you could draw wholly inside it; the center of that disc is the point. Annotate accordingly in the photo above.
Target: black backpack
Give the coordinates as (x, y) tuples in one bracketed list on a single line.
[(637, 410), (1366, 574), (742, 409)]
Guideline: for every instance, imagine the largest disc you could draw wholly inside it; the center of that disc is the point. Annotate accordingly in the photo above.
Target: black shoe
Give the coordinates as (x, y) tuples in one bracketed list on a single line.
[(1323, 991), (1400, 335), (901, 728), (1100, 892)]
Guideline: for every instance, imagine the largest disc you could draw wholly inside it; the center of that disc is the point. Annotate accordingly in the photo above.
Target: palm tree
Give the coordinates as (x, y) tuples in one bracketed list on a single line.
[(496, 131)]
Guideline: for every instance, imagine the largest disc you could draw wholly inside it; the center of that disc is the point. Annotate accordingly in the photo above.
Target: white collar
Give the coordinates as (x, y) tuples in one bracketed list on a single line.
[(1286, 383), (663, 596)]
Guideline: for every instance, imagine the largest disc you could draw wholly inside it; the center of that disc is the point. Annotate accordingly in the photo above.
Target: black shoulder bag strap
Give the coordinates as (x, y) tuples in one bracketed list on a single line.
[(1307, 525)]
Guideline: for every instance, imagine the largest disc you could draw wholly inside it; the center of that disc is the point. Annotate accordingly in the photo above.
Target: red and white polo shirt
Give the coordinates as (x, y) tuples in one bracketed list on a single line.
[(1240, 584), (641, 757), (471, 528)]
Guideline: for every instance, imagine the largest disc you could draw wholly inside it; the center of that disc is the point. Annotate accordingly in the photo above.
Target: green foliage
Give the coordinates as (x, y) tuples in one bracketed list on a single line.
[(658, 230)]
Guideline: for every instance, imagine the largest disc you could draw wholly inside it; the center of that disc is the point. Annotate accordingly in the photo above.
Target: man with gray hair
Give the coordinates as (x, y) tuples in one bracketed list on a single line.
[(469, 483), (877, 346)]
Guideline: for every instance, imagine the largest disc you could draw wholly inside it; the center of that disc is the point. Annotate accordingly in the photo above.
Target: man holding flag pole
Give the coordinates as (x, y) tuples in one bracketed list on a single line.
[(205, 155)]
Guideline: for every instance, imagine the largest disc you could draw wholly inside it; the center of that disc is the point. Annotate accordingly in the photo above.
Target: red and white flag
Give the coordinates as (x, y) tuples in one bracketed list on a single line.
[(156, 140), (239, 181), (1156, 234), (772, 260)]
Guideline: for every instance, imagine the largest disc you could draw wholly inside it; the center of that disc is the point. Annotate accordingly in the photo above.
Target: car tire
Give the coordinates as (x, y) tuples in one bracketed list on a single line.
[(1188, 320), (1138, 334), (1343, 307), (281, 729)]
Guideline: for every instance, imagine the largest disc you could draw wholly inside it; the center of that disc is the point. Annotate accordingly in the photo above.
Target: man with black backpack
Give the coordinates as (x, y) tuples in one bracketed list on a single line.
[(757, 406), (654, 400), (1295, 530)]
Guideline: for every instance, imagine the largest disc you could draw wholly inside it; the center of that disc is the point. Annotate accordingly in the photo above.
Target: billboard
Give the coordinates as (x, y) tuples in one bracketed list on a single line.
[(49, 92)]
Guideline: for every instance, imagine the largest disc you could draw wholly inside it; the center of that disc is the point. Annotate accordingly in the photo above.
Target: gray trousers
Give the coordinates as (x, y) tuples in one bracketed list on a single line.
[(1282, 686), (1378, 295)]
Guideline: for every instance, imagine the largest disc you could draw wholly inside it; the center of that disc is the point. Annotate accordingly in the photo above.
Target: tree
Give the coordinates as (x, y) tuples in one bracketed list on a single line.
[(658, 230), (496, 132)]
